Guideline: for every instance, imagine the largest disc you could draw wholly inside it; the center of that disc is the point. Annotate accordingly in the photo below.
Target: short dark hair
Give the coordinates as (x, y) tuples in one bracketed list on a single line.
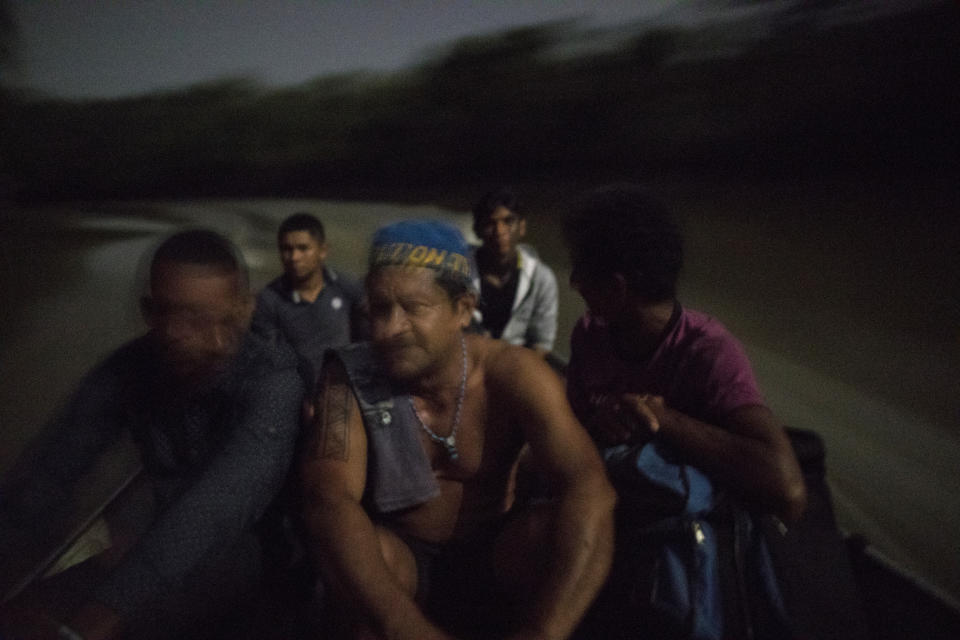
[(453, 285), (491, 201), (302, 222), (201, 247), (624, 229)]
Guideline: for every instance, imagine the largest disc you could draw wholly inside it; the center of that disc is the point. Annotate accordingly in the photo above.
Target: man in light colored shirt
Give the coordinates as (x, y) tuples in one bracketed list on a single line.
[(518, 292)]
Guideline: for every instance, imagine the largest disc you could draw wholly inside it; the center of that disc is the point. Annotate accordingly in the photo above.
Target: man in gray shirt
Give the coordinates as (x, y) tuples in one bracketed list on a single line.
[(518, 291), (311, 306)]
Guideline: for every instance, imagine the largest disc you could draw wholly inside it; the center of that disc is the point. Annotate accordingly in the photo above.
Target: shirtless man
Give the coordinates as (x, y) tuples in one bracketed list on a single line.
[(411, 454)]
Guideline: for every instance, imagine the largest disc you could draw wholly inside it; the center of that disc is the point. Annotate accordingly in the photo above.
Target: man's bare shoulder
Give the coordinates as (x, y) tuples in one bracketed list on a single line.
[(511, 369)]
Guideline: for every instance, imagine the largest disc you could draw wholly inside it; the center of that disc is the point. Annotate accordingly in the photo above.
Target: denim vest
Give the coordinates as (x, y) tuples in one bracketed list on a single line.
[(399, 475)]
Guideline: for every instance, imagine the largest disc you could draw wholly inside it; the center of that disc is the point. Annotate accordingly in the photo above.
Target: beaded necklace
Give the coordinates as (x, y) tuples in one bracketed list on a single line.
[(450, 442)]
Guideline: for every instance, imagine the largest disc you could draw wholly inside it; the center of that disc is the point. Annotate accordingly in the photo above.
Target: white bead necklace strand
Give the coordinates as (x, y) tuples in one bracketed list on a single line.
[(450, 442)]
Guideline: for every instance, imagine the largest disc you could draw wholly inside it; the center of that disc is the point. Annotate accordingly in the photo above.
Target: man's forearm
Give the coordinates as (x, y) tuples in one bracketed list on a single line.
[(583, 550), (756, 460), (346, 548)]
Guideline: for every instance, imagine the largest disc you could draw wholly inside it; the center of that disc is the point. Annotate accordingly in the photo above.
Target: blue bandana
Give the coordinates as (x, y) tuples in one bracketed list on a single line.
[(422, 243)]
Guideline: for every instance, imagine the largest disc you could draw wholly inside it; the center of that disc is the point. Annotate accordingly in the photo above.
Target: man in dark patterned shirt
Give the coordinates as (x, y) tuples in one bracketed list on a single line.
[(214, 411)]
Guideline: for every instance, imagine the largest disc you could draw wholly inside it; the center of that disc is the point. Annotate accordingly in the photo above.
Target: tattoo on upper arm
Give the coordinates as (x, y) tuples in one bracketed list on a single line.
[(331, 421)]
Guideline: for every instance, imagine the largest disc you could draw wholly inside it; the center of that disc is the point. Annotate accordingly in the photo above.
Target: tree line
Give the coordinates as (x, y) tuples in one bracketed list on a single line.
[(874, 98)]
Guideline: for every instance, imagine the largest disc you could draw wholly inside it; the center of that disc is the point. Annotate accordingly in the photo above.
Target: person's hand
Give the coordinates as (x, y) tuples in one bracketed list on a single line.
[(95, 621), (307, 411), (647, 412), (632, 418)]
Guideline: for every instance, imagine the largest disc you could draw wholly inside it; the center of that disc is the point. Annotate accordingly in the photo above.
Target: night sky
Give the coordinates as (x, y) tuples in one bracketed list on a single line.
[(89, 49), (82, 48)]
